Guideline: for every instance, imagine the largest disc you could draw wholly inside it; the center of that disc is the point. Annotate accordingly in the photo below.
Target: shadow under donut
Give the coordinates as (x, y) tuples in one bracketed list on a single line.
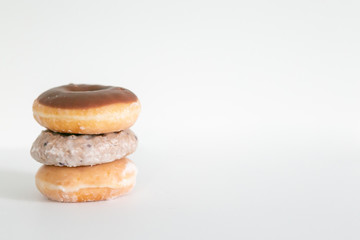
[(16, 185)]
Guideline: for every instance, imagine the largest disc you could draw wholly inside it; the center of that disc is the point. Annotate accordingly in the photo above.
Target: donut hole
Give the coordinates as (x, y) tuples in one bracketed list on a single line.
[(85, 88)]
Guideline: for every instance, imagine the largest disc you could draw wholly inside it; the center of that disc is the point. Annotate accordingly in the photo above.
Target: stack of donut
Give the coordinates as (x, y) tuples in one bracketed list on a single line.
[(87, 140)]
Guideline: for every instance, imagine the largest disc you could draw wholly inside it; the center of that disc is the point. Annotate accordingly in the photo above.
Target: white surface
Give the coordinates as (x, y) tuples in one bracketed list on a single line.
[(250, 120)]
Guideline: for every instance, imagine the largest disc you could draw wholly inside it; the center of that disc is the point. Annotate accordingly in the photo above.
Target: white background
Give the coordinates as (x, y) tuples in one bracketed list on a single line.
[(249, 126)]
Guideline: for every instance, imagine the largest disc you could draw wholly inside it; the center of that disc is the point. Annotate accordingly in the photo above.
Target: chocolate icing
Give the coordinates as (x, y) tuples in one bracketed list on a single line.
[(85, 96)]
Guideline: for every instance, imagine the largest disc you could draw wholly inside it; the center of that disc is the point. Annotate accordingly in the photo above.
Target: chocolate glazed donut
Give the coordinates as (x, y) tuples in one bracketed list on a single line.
[(86, 109)]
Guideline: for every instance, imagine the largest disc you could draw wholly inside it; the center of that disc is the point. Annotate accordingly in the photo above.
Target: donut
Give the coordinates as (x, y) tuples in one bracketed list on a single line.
[(84, 184), (59, 149), (86, 109)]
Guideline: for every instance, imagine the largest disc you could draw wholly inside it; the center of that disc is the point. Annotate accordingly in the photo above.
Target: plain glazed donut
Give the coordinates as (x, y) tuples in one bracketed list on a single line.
[(84, 184), (86, 109), (59, 149)]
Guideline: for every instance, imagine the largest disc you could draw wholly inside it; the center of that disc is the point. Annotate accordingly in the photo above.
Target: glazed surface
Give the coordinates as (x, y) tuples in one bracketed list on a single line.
[(90, 183), (74, 96)]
